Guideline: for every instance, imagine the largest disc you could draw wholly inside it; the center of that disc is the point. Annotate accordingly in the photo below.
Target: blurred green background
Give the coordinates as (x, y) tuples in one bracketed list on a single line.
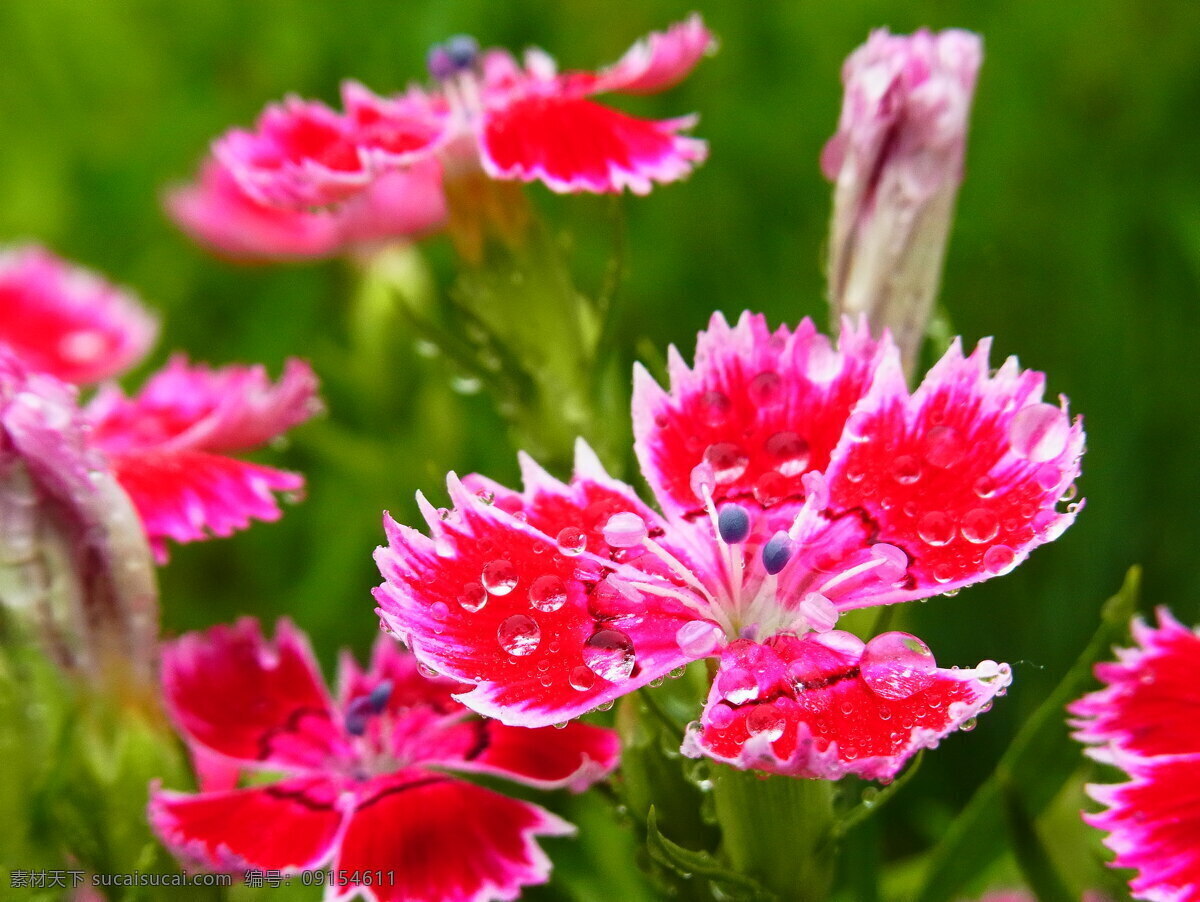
[(1077, 245)]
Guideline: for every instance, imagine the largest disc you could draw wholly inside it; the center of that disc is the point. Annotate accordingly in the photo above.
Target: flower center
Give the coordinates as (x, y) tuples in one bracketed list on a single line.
[(771, 580)]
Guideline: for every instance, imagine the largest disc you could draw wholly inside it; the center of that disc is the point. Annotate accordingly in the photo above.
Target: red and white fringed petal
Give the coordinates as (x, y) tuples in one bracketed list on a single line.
[(288, 826), (301, 154), (824, 706), (190, 496), (233, 692), (396, 131), (659, 60), (544, 629), (67, 321), (964, 475), (571, 144), (1153, 824), (1149, 704), (188, 406), (572, 757), (436, 839), (757, 411)]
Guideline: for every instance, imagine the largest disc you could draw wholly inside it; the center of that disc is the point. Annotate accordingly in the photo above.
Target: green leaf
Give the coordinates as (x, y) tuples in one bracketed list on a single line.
[(691, 864), (1029, 850), (1039, 761)]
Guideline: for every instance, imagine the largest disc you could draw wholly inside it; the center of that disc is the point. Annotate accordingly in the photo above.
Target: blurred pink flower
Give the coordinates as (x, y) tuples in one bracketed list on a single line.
[(896, 163), (309, 181), (67, 321), (1144, 722), (364, 781), (797, 481), (168, 446)]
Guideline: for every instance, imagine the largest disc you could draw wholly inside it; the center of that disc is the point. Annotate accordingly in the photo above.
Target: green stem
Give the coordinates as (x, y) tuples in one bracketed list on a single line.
[(774, 829)]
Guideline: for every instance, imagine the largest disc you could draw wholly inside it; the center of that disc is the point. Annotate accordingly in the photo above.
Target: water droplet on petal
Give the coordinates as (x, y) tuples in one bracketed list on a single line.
[(519, 635), (765, 388), (473, 598), (999, 559), (1069, 493), (737, 685), (499, 577), (728, 461), (980, 525), (789, 451), (968, 725), (944, 447), (571, 540), (698, 638), (897, 665), (765, 721), (985, 486), (714, 408), (906, 469), (720, 716), (770, 488), (625, 530), (702, 479), (935, 528), (1039, 432), (610, 655), (548, 593), (1048, 476), (582, 678)]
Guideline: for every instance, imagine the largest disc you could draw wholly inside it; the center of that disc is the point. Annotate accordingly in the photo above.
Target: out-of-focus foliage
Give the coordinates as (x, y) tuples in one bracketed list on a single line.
[(1077, 245)]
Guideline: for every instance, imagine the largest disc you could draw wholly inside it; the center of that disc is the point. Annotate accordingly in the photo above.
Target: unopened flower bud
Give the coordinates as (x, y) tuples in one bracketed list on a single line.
[(896, 162)]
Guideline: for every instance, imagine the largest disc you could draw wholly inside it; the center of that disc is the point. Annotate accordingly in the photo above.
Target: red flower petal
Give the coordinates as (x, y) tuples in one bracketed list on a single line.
[(659, 60), (251, 699), (66, 321), (195, 407), (824, 706), (396, 131), (301, 154), (189, 496), (574, 756), (292, 826), (1149, 704), (552, 639), (442, 840), (571, 144), (761, 409), (964, 475), (1153, 822)]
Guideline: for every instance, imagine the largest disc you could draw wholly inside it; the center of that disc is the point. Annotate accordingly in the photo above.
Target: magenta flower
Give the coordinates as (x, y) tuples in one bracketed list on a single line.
[(67, 321), (796, 481), (380, 165), (169, 445), (1144, 723), (896, 162), (365, 780)]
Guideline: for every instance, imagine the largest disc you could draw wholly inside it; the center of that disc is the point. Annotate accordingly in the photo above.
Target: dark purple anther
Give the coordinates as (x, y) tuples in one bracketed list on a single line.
[(458, 54), (733, 522), (379, 696), (777, 552), (463, 50), (358, 713)]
